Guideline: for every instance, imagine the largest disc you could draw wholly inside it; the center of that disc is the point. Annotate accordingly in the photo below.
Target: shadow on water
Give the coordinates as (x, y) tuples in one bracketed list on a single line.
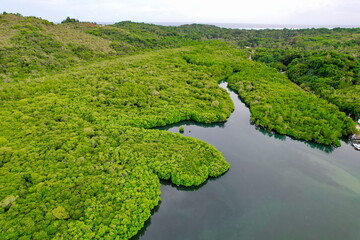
[(324, 148), (178, 188), (235, 97), (146, 224), (192, 123), (281, 137), (270, 133), (275, 183), (192, 188)]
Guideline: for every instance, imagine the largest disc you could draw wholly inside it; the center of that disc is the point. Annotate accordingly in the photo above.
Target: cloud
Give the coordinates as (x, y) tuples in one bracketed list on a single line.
[(255, 11)]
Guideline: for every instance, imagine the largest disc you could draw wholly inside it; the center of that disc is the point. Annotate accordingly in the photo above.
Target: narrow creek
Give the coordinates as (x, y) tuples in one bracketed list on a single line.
[(277, 188)]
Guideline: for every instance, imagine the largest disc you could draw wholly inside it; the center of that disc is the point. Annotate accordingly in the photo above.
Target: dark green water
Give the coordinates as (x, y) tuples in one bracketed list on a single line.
[(277, 188)]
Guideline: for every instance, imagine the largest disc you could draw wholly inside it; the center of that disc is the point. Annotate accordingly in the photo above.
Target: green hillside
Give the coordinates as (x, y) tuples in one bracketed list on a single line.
[(32, 47), (79, 155)]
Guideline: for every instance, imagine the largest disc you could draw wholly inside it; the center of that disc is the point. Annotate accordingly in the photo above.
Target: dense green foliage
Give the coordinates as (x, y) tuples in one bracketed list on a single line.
[(74, 152), (31, 47), (277, 104), (70, 20), (129, 36), (105, 184), (78, 156), (333, 76), (321, 60)]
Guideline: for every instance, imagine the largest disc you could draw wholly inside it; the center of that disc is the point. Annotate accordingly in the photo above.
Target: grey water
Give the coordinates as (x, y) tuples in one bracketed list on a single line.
[(277, 188)]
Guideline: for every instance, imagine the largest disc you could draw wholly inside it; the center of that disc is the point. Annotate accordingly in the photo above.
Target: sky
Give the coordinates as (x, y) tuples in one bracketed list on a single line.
[(312, 12)]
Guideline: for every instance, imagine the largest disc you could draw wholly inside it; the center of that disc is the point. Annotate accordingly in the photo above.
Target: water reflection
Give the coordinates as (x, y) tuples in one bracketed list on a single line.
[(189, 189), (324, 148), (192, 123), (270, 134), (146, 224), (277, 188)]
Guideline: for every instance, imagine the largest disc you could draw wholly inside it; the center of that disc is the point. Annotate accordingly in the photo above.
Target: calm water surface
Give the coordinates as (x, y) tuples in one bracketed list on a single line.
[(277, 188)]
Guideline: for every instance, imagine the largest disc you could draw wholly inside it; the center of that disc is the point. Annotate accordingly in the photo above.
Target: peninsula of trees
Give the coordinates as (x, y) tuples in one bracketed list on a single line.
[(79, 155)]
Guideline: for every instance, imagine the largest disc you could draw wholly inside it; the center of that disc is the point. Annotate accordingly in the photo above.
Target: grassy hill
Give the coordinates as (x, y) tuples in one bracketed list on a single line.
[(32, 47)]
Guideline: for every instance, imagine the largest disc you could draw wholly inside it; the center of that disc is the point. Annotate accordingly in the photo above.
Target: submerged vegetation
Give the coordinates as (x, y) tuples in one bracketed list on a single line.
[(79, 158)]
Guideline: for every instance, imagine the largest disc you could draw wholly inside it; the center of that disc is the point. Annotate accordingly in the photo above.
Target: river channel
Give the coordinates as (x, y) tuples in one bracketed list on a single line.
[(277, 188)]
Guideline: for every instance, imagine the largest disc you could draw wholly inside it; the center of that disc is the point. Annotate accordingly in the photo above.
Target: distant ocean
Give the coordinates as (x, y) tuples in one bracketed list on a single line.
[(251, 25), (260, 26)]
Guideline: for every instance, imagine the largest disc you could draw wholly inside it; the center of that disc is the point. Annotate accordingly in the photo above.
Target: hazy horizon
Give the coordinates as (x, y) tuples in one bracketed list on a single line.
[(233, 25), (297, 12)]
